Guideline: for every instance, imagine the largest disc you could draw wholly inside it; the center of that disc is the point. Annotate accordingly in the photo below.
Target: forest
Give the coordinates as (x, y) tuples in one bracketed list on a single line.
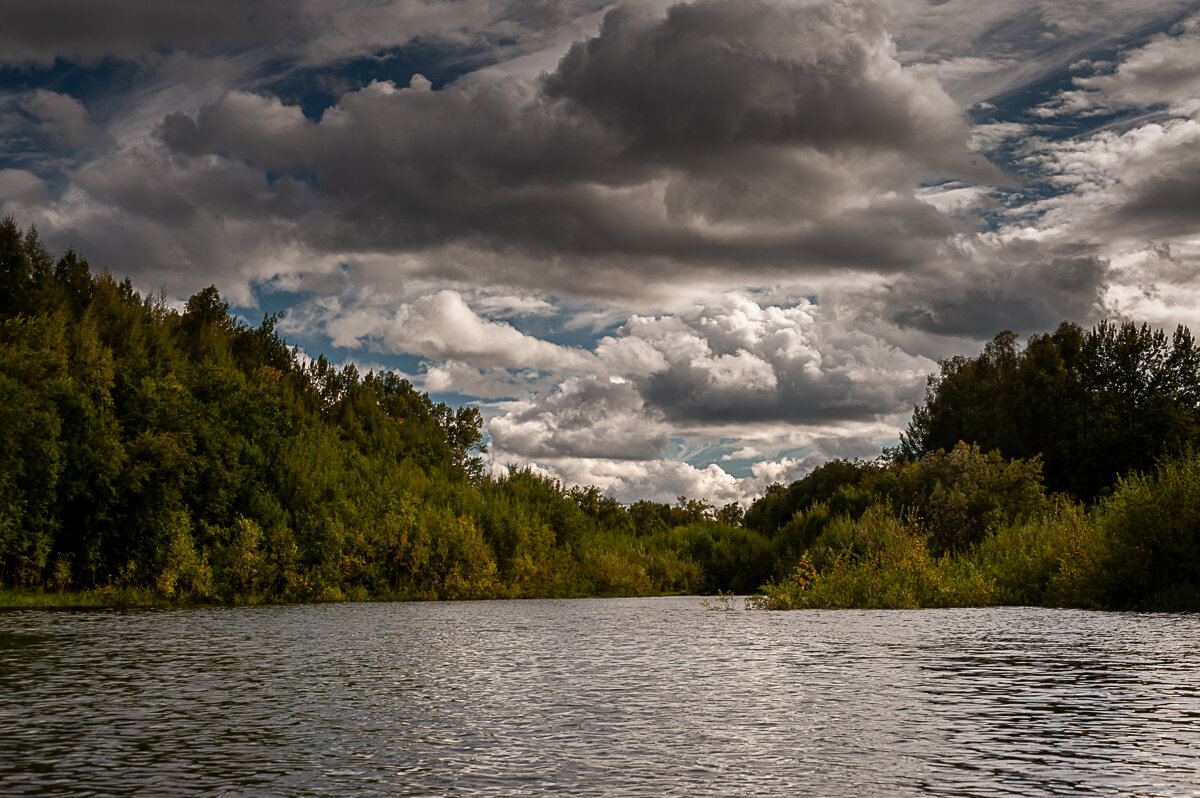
[(150, 455)]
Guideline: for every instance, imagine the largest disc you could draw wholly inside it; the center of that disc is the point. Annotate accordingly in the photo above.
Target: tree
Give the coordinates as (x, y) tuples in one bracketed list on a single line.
[(1093, 404)]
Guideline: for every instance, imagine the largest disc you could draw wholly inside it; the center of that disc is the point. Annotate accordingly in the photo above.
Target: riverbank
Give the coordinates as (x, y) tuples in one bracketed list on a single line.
[(38, 599), (86, 599), (128, 598)]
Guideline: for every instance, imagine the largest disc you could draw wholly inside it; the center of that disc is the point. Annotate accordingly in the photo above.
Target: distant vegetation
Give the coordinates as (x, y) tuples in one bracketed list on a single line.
[(968, 529), (149, 456), (1107, 419)]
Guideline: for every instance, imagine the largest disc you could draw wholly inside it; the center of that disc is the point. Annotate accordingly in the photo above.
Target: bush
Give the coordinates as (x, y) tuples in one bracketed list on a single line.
[(1151, 524), (1047, 559), (878, 562), (958, 497)]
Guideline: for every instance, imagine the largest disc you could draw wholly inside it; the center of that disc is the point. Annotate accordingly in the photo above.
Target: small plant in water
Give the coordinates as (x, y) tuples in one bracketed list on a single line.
[(757, 601), (724, 601)]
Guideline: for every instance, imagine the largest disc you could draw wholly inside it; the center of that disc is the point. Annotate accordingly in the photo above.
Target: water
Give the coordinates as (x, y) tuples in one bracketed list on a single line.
[(653, 697)]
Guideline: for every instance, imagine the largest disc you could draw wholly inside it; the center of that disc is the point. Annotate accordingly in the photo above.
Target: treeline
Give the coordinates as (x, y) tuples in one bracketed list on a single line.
[(1065, 473), (148, 454)]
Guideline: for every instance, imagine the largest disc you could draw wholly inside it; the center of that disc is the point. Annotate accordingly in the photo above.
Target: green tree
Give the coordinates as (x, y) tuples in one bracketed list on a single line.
[(1093, 404)]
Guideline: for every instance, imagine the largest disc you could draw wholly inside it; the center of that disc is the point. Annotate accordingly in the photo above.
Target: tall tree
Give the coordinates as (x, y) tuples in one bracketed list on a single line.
[(1094, 404)]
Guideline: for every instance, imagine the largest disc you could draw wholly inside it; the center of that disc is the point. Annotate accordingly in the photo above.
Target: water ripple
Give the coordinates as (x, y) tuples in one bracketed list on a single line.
[(652, 697)]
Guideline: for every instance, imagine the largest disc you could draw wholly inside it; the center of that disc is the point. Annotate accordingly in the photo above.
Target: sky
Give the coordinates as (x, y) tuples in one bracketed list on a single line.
[(666, 248)]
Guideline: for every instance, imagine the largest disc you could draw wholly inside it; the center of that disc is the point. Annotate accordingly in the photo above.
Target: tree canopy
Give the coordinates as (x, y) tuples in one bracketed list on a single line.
[(1093, 404)]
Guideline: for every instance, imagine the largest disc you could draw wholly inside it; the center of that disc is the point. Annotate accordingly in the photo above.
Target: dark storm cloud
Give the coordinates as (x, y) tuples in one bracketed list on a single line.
[(717, 74), (84, 30), (1166, 206), (1019, 287), (65, 121), (798, 101), (173, 195), (686, 394), (21, 187)]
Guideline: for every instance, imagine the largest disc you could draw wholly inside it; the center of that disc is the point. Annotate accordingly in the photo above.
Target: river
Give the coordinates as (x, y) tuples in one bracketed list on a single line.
[(611, 697)]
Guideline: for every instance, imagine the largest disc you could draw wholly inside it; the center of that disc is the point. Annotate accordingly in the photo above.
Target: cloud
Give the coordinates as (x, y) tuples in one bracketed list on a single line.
[(988, 137), (341, 30), (64, 119), (20, 187), (452, 376), (664, 480), (782, 377), (1154, 191), (1126, 186), (994, 50), (514, 306), (183, 223), (736, 363), (1159, 283), (1163, 204), (781, 207), (787, 470), (1133, 194), (715, 75), (78, 30), (311, 31), (267, 132), (655, 480), (1076, 241), (777, 134), (443, 327), (147, 218), (1163, 72), (1021, 285), (439, 326), (587, 417)]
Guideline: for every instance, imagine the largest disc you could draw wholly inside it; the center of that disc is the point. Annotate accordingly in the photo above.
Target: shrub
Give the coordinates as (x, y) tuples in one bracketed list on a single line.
[(1152, 525), (878, 562)]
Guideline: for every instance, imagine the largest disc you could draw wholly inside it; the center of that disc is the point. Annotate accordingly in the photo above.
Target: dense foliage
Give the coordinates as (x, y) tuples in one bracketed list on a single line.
[(1094, 404), (150, 454), (1109, 415), (1137, 548)]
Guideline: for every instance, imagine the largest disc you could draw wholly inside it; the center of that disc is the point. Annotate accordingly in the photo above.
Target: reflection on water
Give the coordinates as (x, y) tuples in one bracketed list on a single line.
[(622, 697)]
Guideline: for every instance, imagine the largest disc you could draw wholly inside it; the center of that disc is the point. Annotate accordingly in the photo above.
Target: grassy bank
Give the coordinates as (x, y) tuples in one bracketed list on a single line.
[(79, 599), (114, 598)]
